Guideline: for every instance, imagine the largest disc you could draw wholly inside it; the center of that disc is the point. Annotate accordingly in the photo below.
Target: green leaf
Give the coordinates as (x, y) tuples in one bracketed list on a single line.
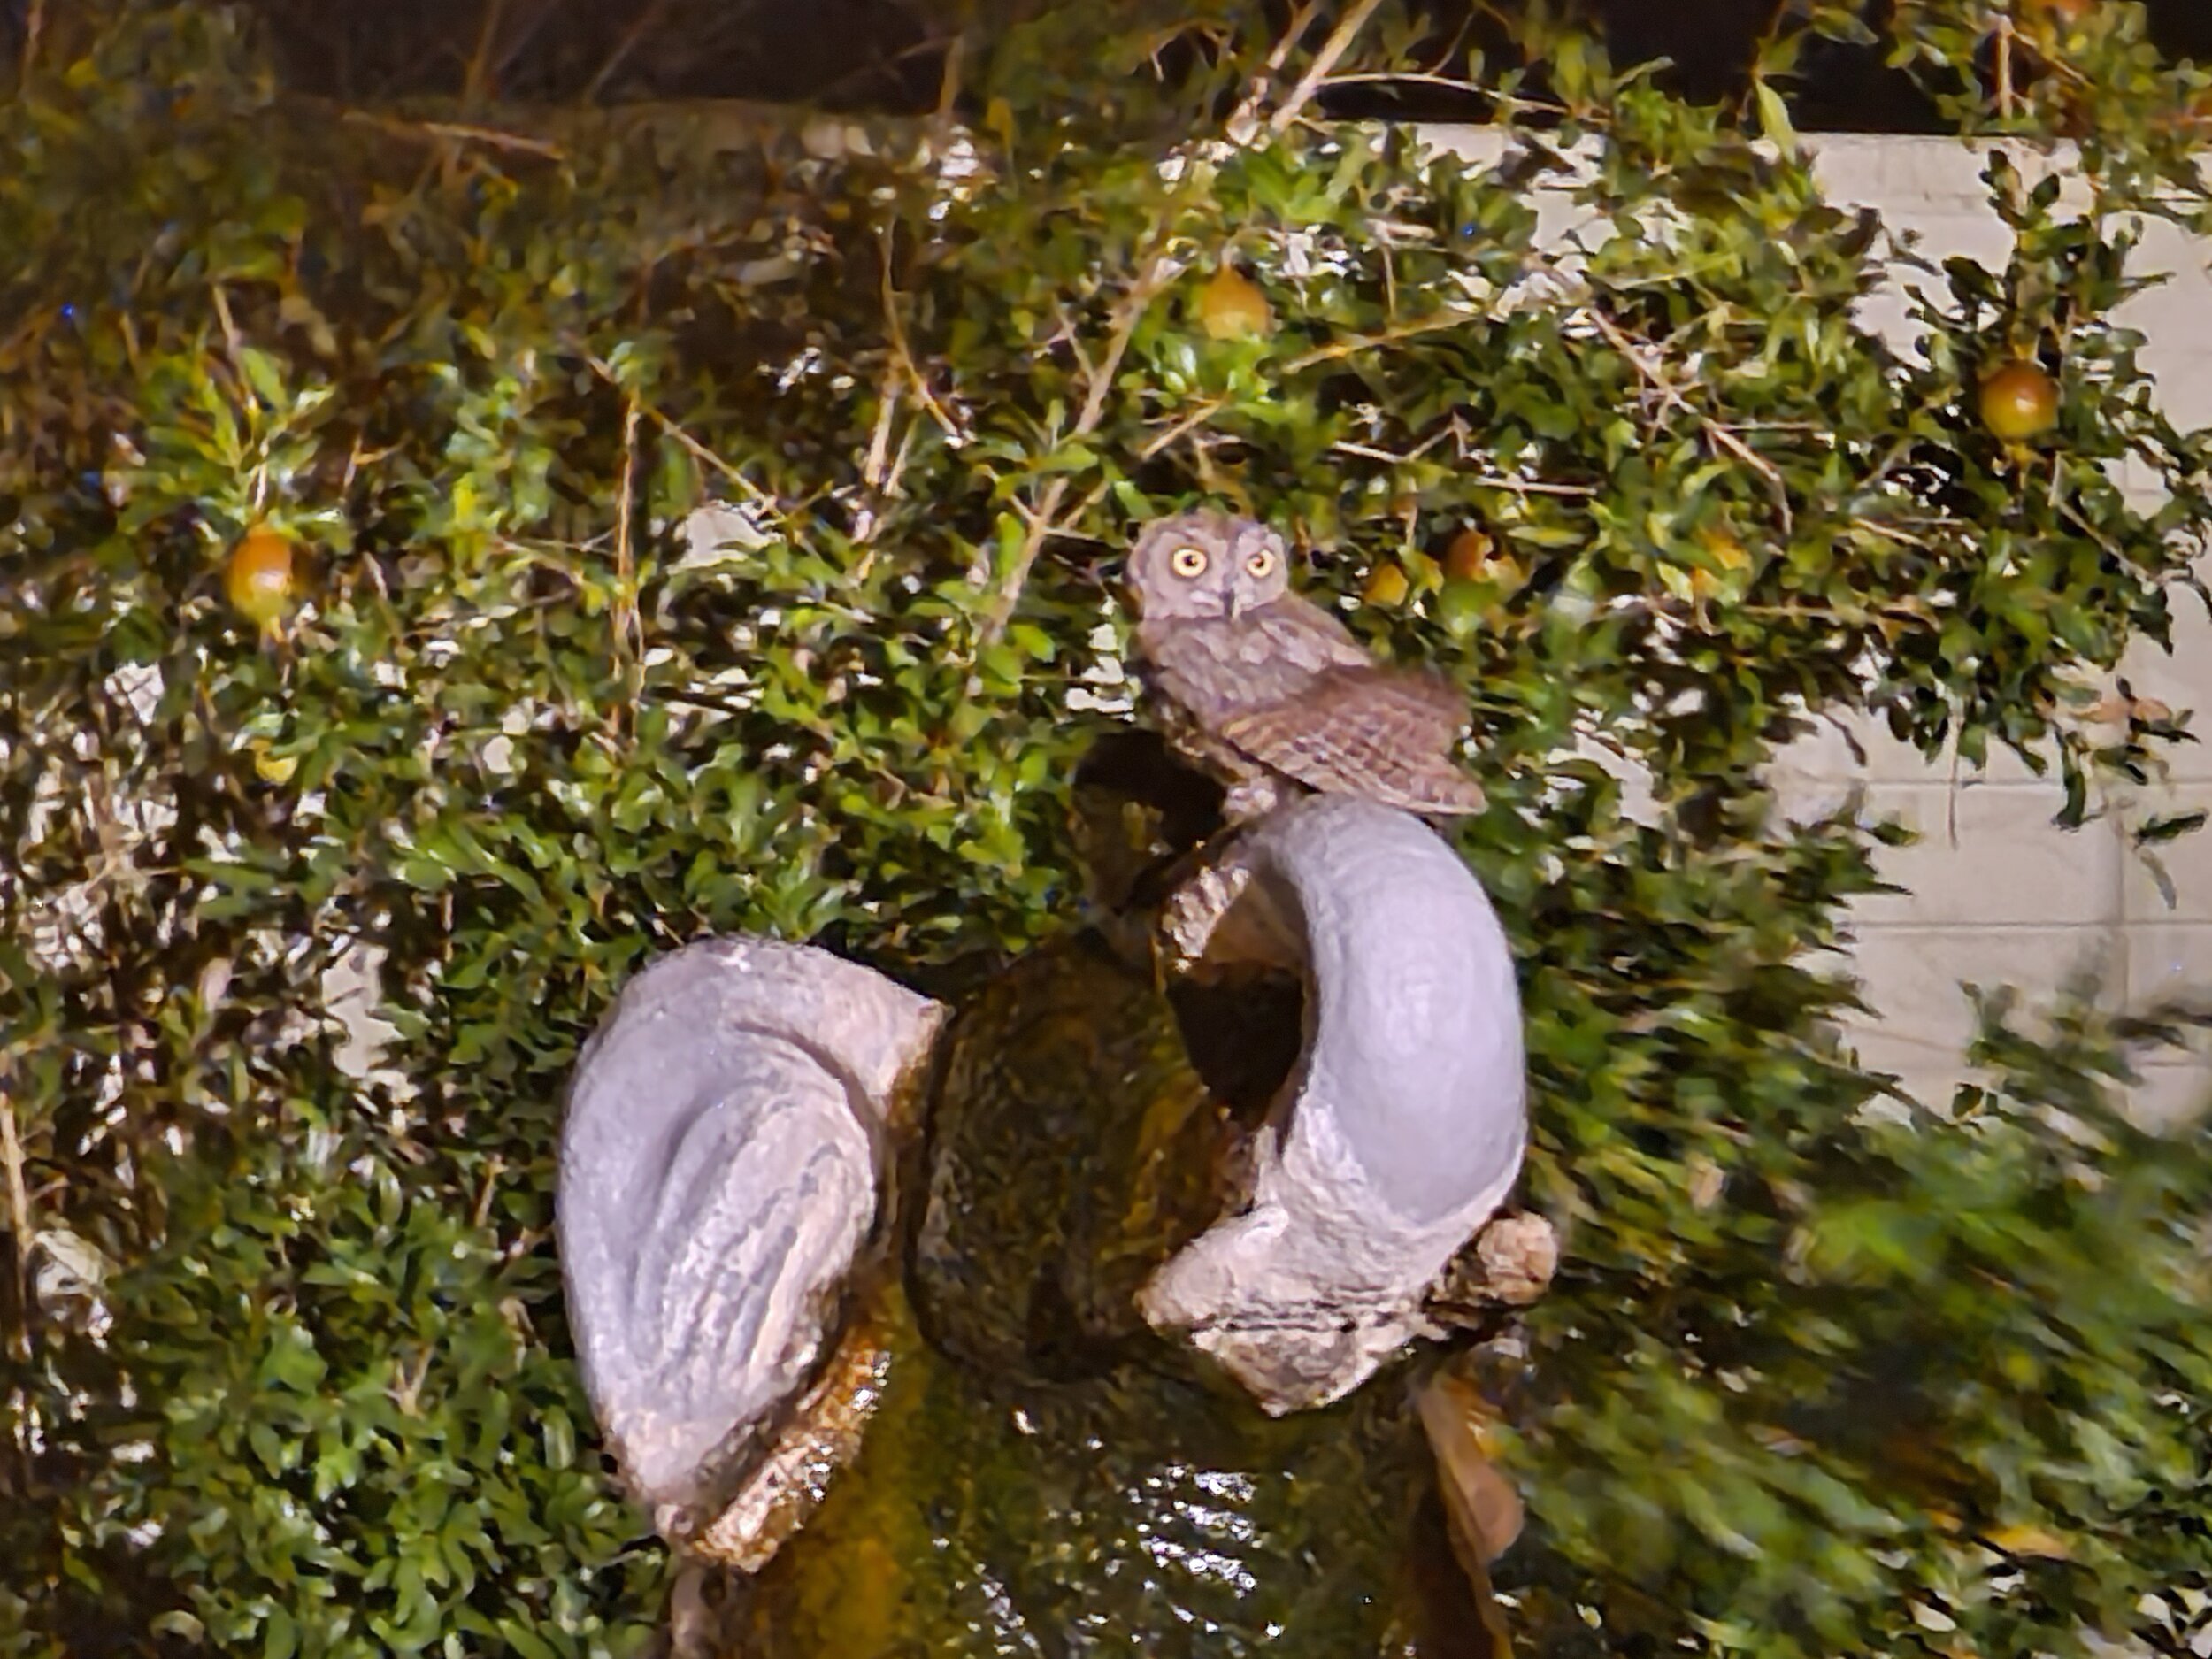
[(1774, 117)]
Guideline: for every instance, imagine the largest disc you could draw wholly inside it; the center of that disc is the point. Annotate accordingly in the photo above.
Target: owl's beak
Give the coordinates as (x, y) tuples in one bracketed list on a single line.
[(1235, 606)]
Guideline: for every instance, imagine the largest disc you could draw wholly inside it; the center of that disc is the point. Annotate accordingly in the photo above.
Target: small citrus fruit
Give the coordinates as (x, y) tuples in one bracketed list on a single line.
[(2019, 401), (1232, 307), (1468, 558), (274, 768), (258, 577), (1386, 586)]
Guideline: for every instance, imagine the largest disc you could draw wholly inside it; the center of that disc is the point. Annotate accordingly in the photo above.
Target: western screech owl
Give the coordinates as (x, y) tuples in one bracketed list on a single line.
[(1262, 686)]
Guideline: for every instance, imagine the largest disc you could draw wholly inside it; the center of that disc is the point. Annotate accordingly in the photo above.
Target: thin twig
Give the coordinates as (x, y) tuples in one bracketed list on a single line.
[(1767, 36), (828, 95), (1412, 76), (1043, 520), (1199, 417), (493, 1169), (1890, 533), (1372, 453), (19, 1224), (871, 470), (948, 80), (1714, 429), (891, 491), (460, 131), (697, 451), (2103, 541), (1478, 480), (1245, 122), (629, 631), (1127, 315), (1523, 486), (1353, 344), (520, 39), (1502, 101), (884, 481), (648, 20), (895, 331), (230, 328), (33, 26), (1339, 42), (475, 81), (2004, 67)]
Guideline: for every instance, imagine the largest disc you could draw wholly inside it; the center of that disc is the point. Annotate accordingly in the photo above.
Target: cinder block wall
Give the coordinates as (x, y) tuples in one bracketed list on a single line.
[(1996, 893)]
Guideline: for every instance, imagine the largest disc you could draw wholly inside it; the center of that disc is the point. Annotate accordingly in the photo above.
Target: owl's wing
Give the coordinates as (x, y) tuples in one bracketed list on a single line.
[(1300, 630), (1367, 732)]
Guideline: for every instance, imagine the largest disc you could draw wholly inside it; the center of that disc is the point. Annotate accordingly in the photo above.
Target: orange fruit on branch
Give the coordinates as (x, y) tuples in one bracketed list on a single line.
[(1468, 558), (1386, 586), (2018, 401), (1232, 307), (259, 577)]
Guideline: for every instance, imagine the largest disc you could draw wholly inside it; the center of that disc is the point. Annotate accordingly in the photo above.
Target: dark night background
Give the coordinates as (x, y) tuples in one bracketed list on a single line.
[(886, 55)]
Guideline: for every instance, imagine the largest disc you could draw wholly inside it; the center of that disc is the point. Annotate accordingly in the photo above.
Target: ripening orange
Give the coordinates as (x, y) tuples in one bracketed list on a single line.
[(258, 577), (1468, 558), (2019, 401), (1386, 586), (1232, 307)]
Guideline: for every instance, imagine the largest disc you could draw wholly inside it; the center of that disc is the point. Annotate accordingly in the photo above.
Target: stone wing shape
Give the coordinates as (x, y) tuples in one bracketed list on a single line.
[(1401, 1127), (724, 1155)]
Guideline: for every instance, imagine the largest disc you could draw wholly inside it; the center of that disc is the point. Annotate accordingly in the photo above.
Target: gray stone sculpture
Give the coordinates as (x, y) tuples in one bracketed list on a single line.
[(1401, 1129), (732, 1128), (729, 1136)]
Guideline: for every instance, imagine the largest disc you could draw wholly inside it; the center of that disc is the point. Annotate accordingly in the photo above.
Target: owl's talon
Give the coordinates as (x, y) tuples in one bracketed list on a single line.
[(1250, 798), (1194, 910)]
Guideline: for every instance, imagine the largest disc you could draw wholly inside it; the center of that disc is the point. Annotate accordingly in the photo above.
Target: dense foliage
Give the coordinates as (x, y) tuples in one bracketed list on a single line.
[(1825, 1370)]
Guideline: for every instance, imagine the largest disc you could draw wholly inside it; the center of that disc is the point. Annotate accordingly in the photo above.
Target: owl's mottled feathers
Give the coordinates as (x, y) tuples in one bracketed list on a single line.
[(1260, 683)]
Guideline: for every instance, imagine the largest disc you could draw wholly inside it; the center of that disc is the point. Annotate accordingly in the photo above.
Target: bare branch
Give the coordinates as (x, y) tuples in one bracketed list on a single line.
[(18, 1223), (697, 451), (1199, 417), (477, 81), (1245, 122), (894, 332), (1339, 42), (460, 131), (647, 20), (1351, 345), (33, 26), (1715, 430), (629, 631)]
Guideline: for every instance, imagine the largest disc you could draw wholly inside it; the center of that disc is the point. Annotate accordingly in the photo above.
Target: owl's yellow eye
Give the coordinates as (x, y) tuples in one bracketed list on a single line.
[(1262, 562), (1187, 562)]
